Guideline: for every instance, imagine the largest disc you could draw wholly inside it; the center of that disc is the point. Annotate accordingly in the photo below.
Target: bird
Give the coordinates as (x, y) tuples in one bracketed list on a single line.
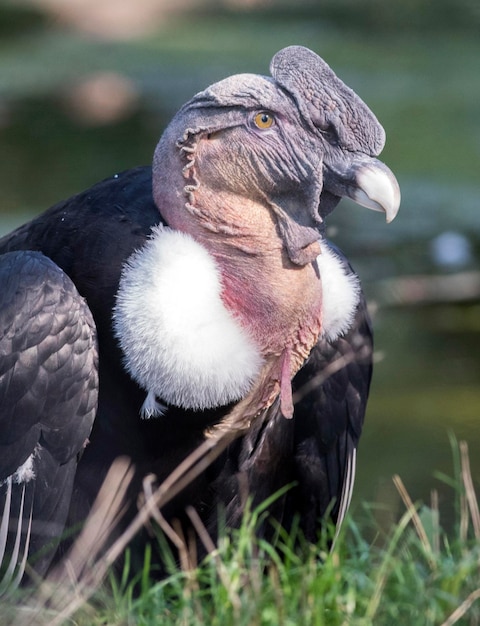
[(171, 303)]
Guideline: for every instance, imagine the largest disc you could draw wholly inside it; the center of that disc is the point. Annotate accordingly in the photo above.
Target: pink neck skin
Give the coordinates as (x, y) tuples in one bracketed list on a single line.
[(278, 302)]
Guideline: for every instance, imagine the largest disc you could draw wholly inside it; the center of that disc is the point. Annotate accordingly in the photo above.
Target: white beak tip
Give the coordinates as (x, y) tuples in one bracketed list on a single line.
[(378, 189)]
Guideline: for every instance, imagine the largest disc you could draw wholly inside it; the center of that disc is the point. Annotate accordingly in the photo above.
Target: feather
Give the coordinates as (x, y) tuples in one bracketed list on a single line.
[(201, 291)]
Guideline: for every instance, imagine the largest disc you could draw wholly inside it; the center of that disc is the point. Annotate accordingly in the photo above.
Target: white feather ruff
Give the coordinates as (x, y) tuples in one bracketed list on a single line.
[(340, 294), (180, 342)]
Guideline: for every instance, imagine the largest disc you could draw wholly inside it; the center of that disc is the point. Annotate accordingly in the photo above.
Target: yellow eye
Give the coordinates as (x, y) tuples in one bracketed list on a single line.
[(263, 120)]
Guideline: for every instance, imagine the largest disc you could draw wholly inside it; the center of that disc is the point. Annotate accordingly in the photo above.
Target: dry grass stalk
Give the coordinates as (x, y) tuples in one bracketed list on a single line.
[(469, 505), (435, 521), (417, 522), (74, 580), (383, 571), (106, 512), (462, 609), (186, 550), (470, 495), (211, 548)]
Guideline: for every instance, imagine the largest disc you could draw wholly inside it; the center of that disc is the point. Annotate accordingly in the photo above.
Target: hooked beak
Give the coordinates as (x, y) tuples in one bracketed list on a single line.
[(367, 181), (364, 179)]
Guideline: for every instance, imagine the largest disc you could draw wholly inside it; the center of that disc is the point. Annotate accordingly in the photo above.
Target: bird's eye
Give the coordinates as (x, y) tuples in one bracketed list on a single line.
[(263, 120), (331, 135)]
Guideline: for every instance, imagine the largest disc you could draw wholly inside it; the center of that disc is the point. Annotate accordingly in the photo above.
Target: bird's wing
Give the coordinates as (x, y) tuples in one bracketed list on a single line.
[(48, 401)]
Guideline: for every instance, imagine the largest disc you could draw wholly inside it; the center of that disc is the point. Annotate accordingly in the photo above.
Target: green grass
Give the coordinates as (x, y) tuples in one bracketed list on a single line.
[(424, 85), (415, 572)]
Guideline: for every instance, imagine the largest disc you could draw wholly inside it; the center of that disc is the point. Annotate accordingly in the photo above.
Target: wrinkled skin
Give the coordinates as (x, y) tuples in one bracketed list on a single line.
[(256, 196), (249, 168), (323, 134)]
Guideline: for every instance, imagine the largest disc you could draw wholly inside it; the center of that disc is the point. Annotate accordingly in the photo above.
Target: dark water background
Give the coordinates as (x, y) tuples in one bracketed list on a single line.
[(77, 106)]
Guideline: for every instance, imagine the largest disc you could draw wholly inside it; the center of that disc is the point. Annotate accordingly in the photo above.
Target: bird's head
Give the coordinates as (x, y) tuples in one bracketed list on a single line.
[(257, 157)]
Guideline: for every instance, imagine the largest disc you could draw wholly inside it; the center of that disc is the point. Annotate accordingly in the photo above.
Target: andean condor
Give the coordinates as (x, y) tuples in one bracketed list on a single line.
[(148, 308)]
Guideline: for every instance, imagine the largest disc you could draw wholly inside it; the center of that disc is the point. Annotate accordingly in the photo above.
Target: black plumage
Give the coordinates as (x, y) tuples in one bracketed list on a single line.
[(60, 276), (48, 391)]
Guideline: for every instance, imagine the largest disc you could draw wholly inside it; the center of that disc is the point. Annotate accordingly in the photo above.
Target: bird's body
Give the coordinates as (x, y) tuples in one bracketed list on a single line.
[(211, 287)]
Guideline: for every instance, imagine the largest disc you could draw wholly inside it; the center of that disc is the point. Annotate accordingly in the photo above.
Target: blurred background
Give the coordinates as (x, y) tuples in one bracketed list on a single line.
[(86, 87)]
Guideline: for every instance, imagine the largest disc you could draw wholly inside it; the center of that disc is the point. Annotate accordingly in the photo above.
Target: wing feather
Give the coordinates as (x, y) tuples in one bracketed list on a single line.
[(48, 396)]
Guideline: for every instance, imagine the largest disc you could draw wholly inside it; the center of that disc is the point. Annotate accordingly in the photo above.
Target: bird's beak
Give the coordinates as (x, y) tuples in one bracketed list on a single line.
[(364, 179), (367, 181)]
